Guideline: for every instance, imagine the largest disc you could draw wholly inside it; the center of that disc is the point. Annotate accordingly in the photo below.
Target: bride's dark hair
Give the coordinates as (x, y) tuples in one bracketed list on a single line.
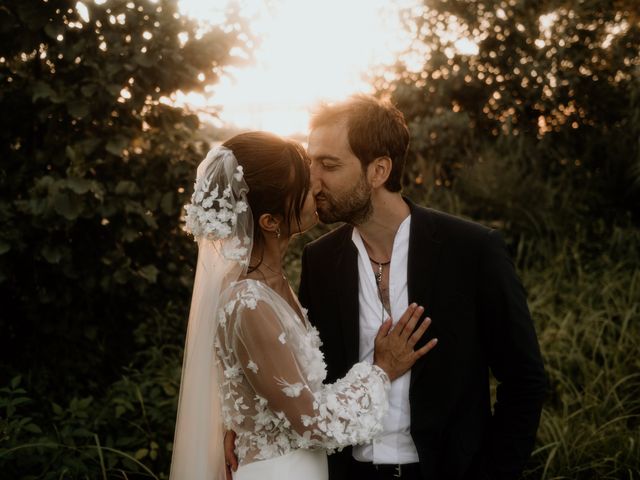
[(277, 173)]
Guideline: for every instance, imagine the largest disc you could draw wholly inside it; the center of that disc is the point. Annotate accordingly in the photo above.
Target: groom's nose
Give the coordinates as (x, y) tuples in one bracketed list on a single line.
[(315, 186), (315, 180)]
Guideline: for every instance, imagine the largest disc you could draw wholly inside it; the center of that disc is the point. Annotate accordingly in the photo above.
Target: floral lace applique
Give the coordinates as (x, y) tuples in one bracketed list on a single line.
[(252, 366), (291, 390), (273, 395)]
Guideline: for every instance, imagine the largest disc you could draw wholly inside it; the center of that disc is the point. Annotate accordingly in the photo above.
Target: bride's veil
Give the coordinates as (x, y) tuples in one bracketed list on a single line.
[(220, 220)]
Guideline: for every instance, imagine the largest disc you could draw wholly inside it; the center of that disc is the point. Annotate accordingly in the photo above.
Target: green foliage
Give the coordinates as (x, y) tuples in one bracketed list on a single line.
[(556, 83), (95, 271), (587, 315), (126, 432), (96, 167)]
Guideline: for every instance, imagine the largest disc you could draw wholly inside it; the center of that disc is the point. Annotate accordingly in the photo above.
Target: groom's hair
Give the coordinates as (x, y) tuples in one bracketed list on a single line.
[(376, 128)]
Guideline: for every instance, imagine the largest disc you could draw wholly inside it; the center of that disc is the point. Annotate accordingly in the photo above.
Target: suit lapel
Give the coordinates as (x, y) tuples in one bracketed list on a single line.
[(424, 252), (424, 248), (347, 281)]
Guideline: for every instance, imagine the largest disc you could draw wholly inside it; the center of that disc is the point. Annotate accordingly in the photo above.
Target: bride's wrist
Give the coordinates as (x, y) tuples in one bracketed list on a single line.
[(384, 370)]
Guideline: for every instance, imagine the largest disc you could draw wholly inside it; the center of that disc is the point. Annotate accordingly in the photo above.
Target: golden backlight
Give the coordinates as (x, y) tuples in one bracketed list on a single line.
[(308, 51)]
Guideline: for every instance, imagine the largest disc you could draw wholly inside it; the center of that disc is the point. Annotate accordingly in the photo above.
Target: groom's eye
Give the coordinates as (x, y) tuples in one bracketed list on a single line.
[(329, 166)]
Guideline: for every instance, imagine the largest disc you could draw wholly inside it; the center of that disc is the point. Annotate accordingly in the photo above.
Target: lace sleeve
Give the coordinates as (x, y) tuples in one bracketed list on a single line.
[(332, 416)]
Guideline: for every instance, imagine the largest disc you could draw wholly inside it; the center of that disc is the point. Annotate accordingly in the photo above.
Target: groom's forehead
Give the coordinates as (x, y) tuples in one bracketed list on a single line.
[(328, 141)]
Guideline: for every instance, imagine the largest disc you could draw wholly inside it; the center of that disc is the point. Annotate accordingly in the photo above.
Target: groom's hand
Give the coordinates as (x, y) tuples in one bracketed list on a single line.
[(230, 458), (394, 351)]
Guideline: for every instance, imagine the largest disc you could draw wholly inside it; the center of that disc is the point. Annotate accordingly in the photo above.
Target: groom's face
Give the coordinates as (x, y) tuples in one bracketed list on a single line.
[(341, 188)]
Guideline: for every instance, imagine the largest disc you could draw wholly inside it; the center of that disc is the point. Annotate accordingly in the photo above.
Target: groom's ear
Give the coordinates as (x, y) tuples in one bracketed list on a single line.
[(379, 170)]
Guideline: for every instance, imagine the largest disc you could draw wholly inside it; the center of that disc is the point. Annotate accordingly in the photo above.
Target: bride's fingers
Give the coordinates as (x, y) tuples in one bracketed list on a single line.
[(383, 331), (411, 324), (229, 450), (417, 335), (399, 327), (428, 347)]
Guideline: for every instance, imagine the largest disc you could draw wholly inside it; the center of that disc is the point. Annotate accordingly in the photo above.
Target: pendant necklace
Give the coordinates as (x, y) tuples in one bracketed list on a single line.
[(378, 276), (281, 272)]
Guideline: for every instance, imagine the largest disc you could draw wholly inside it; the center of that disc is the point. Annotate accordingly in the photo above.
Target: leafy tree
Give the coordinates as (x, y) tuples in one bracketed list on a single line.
[(550, 86), (96, 165)]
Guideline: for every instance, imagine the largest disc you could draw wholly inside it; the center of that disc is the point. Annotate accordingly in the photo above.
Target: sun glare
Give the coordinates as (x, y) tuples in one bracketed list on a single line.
[(309, 51)]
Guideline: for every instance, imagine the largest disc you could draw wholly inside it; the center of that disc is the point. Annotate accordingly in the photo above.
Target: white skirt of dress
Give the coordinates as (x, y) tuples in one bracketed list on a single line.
[(298, 464)]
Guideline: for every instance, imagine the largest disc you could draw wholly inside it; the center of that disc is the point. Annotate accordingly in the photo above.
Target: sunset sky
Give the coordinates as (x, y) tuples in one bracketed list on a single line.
[(309, 51)]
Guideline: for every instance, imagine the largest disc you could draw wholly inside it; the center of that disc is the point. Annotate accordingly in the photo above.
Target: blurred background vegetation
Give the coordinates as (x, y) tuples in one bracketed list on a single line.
[(537, 134)]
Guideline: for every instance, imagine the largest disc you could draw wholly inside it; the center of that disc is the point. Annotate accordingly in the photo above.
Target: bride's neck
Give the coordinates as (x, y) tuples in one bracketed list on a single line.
[(266, 260)]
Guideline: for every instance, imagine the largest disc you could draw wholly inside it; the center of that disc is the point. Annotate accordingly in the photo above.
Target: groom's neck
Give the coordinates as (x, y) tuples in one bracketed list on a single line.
[(379, 231)]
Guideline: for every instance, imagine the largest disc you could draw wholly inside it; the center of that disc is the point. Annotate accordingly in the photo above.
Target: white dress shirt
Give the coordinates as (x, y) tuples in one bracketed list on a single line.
[(394, 444)]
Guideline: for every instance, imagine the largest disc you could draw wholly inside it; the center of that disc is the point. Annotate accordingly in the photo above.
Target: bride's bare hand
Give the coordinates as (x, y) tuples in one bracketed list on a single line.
[(230, 458), (394, 351)]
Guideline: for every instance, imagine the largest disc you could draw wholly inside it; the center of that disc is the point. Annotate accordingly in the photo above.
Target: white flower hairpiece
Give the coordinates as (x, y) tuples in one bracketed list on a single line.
[(213, 214)]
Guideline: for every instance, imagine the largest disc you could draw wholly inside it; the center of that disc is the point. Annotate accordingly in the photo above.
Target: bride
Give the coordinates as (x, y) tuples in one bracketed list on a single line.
[(252, 361)]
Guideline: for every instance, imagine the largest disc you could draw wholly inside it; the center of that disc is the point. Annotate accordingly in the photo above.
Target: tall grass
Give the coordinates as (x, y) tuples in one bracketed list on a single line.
[(587, 313)]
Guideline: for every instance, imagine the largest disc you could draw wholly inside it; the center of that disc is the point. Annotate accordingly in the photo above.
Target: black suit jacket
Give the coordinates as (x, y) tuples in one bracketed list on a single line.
[(462, 274)]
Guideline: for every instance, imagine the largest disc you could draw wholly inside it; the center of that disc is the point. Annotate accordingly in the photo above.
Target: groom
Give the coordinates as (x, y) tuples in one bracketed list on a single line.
[(389, 253)]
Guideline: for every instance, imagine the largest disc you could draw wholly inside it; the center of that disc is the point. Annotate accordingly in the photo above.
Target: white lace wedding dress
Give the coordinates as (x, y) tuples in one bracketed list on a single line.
[(285, 418)]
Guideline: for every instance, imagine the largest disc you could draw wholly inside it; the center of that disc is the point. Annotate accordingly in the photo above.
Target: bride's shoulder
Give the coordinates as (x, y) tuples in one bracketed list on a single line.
[(246, 293)]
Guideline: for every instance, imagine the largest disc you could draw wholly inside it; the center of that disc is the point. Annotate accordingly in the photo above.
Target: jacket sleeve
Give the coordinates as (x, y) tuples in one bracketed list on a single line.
[(515, 361)]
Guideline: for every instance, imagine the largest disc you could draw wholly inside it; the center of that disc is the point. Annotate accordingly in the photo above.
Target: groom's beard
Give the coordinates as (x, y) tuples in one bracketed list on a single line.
[(354, 207)]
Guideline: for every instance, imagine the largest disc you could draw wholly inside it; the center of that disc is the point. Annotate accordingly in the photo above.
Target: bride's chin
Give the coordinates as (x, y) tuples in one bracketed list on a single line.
[(308, 225), (314, 221)]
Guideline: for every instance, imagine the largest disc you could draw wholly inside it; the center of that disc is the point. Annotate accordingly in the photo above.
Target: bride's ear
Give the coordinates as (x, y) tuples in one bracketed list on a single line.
[(379, 170), (270, 224)]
